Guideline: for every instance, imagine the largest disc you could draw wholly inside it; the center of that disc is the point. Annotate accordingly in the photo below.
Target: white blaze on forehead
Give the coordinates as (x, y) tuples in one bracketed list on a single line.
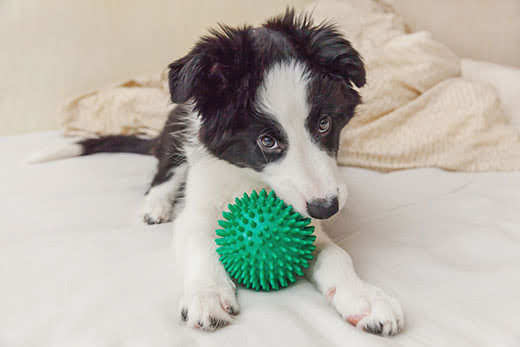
[(306, 172), (284, 93)]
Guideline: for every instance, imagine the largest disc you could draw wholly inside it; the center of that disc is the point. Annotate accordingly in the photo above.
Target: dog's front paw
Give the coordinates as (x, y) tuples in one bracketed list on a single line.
[(368, 308), (209, 309), (157, 209)]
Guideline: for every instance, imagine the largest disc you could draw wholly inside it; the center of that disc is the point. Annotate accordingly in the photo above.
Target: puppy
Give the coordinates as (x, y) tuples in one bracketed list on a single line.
[(257, 108)]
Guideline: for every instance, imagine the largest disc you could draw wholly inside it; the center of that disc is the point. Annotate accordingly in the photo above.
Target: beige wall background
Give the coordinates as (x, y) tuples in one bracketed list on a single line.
[(53, 50), (486, 30)]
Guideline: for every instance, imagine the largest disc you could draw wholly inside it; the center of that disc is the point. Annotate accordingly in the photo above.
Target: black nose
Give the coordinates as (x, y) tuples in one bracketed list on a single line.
[(322, 208)]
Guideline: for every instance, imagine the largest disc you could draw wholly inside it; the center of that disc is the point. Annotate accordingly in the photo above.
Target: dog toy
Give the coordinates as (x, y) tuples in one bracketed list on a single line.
[(264, 243)]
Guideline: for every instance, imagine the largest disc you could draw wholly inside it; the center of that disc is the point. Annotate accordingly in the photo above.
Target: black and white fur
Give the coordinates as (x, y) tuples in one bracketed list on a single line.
[(257, 108)]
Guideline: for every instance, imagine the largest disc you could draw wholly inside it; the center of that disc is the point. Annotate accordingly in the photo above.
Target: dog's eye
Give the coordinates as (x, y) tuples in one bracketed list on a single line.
[(324, 125), (267, 142)]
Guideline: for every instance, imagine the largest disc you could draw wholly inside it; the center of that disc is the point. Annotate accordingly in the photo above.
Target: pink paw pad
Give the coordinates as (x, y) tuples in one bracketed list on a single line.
[(355, 318), (330, 293)]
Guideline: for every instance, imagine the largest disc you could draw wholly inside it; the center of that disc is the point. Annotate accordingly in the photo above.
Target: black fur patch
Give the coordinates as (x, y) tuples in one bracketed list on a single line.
[(117, 144), (321, 46), (169, 146), (336, 100)]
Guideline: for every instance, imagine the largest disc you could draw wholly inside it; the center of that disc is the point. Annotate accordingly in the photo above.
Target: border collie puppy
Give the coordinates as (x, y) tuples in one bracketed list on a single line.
[(257, 108)]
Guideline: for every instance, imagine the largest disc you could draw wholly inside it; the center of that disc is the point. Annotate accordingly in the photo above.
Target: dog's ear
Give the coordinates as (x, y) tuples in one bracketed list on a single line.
[(333, 53), (324, 47), (180, 79), (212, 69)]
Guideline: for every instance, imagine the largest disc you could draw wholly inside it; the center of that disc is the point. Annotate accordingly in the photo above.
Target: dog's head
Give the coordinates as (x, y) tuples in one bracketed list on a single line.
[(275, 99)]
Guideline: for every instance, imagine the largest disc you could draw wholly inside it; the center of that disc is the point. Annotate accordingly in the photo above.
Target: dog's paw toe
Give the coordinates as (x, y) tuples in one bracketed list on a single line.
[(152, 219), (157, 211), (209, 310), (370, 310)]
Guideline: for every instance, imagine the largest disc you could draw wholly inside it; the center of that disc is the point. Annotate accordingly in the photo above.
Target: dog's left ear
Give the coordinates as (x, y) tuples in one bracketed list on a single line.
[(323, 46), (332, 53)]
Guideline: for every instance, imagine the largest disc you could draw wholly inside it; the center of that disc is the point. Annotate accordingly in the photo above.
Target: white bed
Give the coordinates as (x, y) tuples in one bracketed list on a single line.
[(78, 268)]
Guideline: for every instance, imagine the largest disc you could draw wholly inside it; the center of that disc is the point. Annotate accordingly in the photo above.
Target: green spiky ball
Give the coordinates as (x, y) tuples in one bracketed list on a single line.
[(264, 244)]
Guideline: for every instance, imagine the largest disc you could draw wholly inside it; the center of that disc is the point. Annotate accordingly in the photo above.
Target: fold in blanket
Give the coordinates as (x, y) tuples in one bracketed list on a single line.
[(417, 111)]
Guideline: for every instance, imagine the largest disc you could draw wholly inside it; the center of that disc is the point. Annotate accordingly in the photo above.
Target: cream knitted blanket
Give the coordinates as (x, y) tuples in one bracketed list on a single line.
[(417, 111)]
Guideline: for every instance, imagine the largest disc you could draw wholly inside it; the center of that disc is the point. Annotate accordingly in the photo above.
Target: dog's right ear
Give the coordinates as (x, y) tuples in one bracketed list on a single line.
[(181, 78), (212, 71)]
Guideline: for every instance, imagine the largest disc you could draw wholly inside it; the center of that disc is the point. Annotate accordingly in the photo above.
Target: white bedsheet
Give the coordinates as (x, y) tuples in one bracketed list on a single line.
[(78, 268)]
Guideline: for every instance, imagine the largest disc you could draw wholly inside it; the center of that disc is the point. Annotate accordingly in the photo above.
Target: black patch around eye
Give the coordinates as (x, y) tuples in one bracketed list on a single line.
[(336, 100), (240, 146)]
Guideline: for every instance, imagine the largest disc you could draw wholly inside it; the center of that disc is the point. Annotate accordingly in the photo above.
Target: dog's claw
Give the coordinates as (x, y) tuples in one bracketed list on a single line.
[(184, 315)]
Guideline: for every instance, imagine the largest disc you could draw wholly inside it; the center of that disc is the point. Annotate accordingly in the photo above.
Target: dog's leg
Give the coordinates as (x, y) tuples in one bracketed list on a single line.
[(159, 200), (209, 298), (361, 304)]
